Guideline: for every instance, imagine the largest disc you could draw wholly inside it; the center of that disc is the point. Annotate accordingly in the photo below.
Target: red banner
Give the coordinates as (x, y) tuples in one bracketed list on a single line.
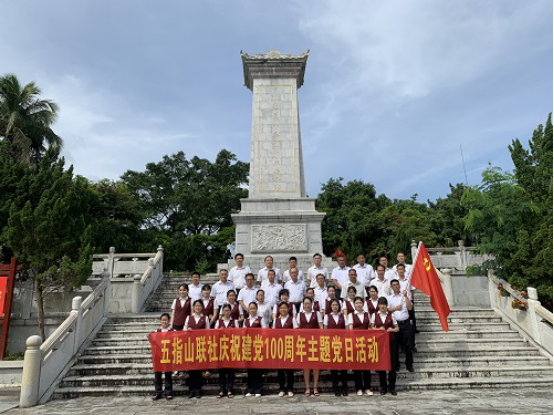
[(270, 349)]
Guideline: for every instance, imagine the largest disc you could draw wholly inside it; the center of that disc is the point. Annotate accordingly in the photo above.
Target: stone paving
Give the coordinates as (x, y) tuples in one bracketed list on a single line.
[(523, 401)]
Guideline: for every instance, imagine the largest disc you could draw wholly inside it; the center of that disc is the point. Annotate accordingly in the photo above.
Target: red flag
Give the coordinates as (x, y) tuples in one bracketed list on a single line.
[(424, 277)]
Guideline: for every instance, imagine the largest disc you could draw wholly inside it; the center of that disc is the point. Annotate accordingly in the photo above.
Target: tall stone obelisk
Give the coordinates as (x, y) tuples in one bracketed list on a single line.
[(277, 218)]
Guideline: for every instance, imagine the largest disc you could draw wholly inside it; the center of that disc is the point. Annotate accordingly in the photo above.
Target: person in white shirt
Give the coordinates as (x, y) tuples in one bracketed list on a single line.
[(292, 264), (221, 288), (348, 306), (331, 295), (316, 305), (248, 294), (353, 282), (404, 281), (196, 321), (359, 320), (309, 319), (335, 320), (399, 304), (371, 305), (320, 291), (271, 288), (262, 274), (340, 274), (389, 273), (382, 284), (401, 259), (264, 308), (383, 320), (237, 274), (283, 298), (296, 288), (315, 270), (285, 321), (255, 376), (365, 271), (226, 376), (195, 287)]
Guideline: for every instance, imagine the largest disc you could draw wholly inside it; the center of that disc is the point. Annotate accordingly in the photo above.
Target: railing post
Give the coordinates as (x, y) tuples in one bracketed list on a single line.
[(447, 285), (107, 292), (413, 245), (30, 379), (532, 302), (111, 261), (493, 290), (463, 254), (76, 309), (137, 289), (161, 261)]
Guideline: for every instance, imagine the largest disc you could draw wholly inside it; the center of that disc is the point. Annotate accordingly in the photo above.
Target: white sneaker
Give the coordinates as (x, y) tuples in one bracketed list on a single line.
[(248, 395), (258, 395), (368, 392)]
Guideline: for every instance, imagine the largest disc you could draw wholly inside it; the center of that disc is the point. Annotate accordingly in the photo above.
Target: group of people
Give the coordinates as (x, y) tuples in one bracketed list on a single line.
[(351, 298)]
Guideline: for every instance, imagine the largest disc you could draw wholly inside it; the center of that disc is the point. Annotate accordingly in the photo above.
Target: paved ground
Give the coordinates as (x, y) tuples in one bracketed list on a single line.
[(534, 401)]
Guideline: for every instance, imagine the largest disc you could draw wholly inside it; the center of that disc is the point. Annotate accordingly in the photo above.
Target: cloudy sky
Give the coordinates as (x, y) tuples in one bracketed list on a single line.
[(392, 89)]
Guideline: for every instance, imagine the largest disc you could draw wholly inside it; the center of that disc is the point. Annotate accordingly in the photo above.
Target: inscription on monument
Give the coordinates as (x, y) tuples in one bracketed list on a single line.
[(278, 238)]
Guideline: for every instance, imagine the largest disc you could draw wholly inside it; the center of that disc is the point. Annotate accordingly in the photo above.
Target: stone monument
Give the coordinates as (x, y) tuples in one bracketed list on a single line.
[(277, 218)]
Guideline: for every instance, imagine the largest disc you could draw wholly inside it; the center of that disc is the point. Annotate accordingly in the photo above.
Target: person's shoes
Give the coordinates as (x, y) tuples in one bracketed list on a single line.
[(360, 393), (169, 397), (345, 393), (248, 395), (393, 392), (156, 397), (281, 394), (198, 396), (414, 349), (368, 392), (383, 391), (291, 394), (410, 368), (337, 393), (416, 331), (258, 395)]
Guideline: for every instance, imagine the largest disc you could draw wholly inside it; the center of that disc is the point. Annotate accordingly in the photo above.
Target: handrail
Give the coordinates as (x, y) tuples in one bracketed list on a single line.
[(151, 265), (453, 249), (506, 285), (544, 313), (117, 256), (62, 329)]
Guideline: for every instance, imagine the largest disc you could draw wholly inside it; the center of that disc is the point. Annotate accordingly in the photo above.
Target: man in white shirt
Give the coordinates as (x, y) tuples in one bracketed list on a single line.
[(271, 289), (399, 304), (262, 274), (365, 271), (405, 286), (316, 269), (292, 264), (320, 291), (220, 289), (296, 288), (401, 259), (381, 283), (247, 294), (195, 287), (238, 273), (389, 273), (340, 274), (353, 282)]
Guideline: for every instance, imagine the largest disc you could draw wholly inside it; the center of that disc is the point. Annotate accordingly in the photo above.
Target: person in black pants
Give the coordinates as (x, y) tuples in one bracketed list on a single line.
[(255, 376), (196, 321), (226, 376), (383, 320), (168, 387), (285, 321), (399, 304), (335, 320)]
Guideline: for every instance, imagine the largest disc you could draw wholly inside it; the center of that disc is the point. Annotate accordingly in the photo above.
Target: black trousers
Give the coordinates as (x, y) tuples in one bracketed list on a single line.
[(168, 383), (362, 379), (226, 380), (404, 337), (392, 372), (412, 319), (195, 381), (343, 376), (255, 381), (281, 379)]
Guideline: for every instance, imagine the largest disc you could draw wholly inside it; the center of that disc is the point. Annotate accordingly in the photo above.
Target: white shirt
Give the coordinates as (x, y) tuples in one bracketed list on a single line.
[(409, 268), (405, 285), (365, 274), (271, 292), (196, 319), (360, 314), (253, 320), (296, 290), (219, 292), (236, 276), (383, 287), (226, 323), (344, 306), (262, 274), (321, 294), (340, 274), (313, 305), (183, 302), (360, 290), (390, 274), (313, 272), (308, 316), (247, 295), (276, 310), (334, 317), (284, 320), (195, 292), (395, 300), (264, 311), (382, 317), (286, 276)]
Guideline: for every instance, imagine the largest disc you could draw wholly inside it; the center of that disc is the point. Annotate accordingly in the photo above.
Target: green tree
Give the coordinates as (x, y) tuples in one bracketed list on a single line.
[(48, 228), (25, 120)]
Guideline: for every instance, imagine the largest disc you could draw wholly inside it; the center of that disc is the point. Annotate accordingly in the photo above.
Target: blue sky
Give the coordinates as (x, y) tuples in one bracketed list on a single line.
[(392, 89)]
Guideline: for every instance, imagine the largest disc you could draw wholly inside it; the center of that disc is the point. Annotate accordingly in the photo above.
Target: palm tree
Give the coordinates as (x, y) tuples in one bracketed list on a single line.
[(25, 120)]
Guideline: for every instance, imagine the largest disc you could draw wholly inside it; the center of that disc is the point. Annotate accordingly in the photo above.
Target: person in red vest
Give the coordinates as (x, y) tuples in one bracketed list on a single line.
[(316, 306), (255, 379), (236, 309), (208, 304), (335, 320), (180, 309), (226, 376), (196, 321), (383, 320), (331, 295), (308, 318), (359, 320), (285, 320), (164, 328), (348, 304), (371, 305), (283, 297)]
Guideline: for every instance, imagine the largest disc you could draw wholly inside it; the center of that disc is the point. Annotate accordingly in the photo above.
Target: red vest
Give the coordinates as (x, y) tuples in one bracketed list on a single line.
[(349, 306), (255, 325), (370, 309), (305, 324), (230, 326), (315, 306), (202, 323), (287, 325), (181, 313), (357, 324), (209, 309), (235, 312), (331, 322), (327, 306), (387, 324)]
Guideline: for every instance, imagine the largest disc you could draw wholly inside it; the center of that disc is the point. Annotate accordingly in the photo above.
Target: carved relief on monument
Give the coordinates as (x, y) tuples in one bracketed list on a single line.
[(271, 238)]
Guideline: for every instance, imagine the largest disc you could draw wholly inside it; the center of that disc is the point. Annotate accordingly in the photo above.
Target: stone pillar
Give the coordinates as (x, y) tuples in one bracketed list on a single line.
[(161, 263), (137, 291), (413, 245), (107, 292), (76, 309), (534, 318), (30, 379), (111, 260), (447, 285)]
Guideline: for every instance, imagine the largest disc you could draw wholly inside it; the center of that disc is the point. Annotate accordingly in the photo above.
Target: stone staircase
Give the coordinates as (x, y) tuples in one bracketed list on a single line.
[(480, 351)]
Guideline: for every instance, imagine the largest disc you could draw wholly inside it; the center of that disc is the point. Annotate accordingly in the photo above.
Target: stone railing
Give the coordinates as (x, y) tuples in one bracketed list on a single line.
[(145, 284), (456, 258), (45, 362), (535, 321)]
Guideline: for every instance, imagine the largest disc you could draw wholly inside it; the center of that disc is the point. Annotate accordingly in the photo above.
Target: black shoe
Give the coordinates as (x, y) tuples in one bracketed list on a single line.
[(156, 397), (414, 349), (337, 393), (416, 331), (393, 392), (410, 368), (169, 397), (383, 391), (198, 396), (345, 393), (192, 395)]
